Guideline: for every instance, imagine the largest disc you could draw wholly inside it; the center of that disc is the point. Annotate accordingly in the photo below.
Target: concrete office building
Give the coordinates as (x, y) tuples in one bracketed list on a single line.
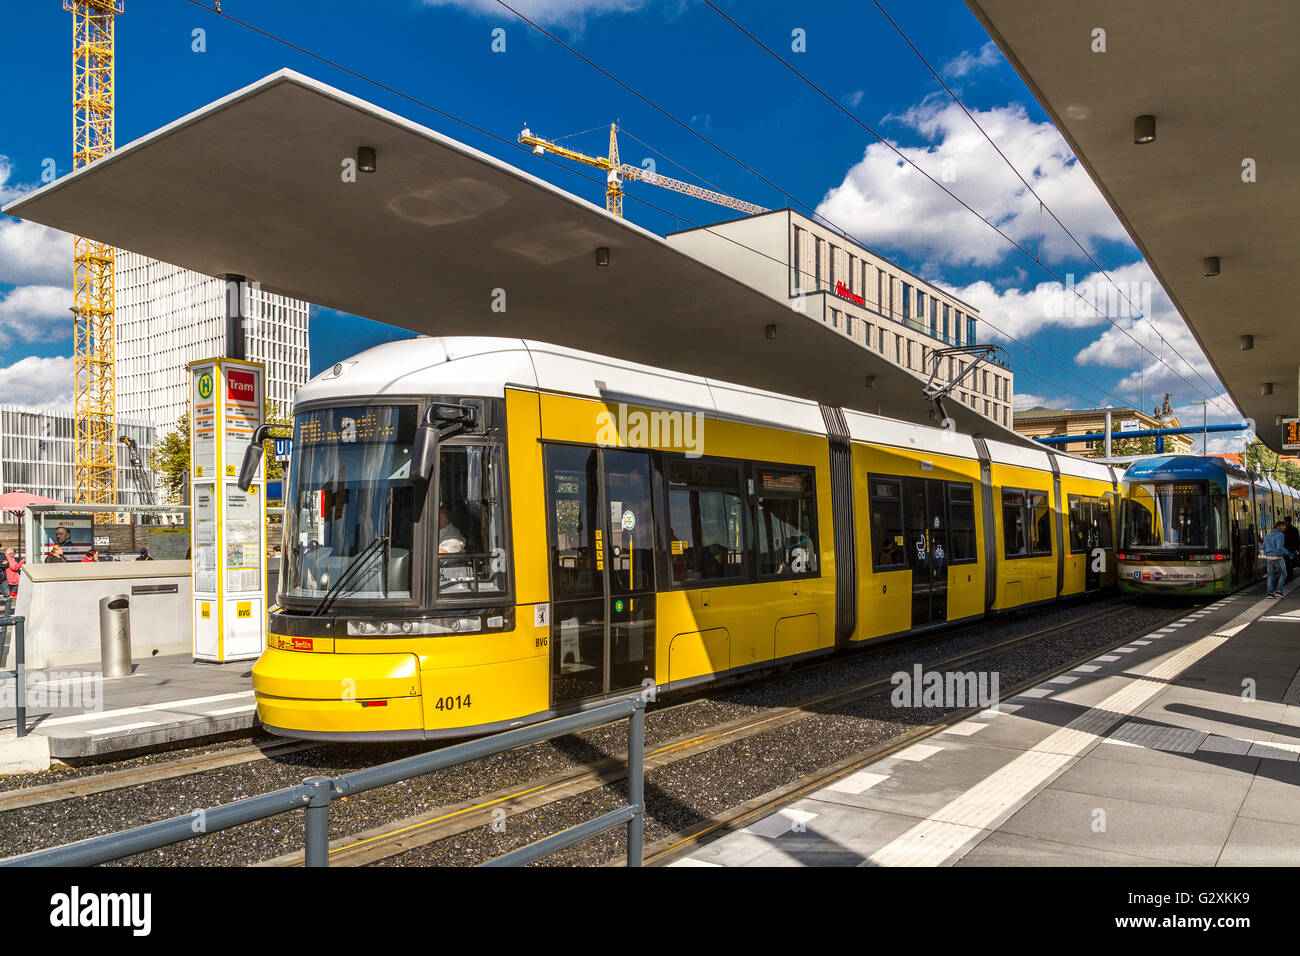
[(168, 317), (37, 451), (872, 301)]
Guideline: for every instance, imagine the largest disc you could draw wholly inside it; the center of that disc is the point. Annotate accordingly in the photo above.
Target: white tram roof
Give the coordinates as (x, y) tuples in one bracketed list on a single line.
[(482, 366), (251, 185)]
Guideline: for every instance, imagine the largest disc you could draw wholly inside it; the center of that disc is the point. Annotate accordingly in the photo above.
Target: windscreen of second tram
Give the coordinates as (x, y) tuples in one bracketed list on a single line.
[(1174, 515)]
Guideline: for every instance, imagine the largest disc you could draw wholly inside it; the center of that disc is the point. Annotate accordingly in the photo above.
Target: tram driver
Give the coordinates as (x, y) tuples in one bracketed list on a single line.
[(450, 538)]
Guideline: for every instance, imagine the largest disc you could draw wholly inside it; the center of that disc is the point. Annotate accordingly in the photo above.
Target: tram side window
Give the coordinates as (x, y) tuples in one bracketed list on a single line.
[(961, 508), (886, 524), (1080, 520), (1013, 523), (1105, 536), (787, 510), (706, 523), (1040, 518), (472, 557)]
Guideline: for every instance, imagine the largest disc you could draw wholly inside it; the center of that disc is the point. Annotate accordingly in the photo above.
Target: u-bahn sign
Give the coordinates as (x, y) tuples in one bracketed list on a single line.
[(1291, 434)]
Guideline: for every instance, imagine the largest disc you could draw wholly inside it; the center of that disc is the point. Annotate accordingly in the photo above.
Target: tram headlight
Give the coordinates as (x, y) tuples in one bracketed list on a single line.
[(432, 626)]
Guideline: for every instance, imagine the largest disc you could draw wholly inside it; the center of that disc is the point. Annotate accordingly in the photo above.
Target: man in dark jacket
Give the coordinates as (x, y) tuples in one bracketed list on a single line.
[(1292, 534)]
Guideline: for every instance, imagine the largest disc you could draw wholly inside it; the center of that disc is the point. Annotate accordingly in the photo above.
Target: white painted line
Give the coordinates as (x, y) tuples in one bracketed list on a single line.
[(917, 752), (1125, 650), (998, 709), (780, 823), (976, 811), (966, 728), (1107, 657), (1141, 643), (1037, 692), (1063, 679), (691, 861), (1087, 668), (145, 709), (242, 708), (100, 731), (856, 783)]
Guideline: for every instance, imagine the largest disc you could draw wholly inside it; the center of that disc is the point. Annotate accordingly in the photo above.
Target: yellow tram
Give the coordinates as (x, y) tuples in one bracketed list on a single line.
[(481, 533)]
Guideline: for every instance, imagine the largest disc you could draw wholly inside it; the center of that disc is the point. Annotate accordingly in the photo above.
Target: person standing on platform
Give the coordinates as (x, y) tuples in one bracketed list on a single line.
[(1275, 555), (12, 566), (1293, 545)]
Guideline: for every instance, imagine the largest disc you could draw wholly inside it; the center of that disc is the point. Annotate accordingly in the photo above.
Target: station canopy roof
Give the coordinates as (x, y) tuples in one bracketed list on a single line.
[(252, 185), (1222, 82)]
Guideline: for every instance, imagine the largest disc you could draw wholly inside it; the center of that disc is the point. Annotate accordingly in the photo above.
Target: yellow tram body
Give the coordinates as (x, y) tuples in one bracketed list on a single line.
[(930, 514)]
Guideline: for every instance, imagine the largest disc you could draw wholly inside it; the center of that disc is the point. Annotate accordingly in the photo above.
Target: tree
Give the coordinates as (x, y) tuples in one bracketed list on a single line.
[(171, 455), (1120, 447), (1260, 459)]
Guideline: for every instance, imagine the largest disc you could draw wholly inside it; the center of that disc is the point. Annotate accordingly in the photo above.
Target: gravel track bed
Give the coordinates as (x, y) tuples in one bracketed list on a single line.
[(697, 788), (689, 789), (61, 773)]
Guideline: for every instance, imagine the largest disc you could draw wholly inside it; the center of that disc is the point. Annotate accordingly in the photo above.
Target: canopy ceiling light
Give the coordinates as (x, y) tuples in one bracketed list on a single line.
[(1144, 130), (1211, 266), (1247, 343), (366, 159)]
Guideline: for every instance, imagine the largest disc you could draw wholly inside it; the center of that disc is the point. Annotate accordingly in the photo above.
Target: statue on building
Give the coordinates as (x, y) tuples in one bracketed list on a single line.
[(1165, 410)]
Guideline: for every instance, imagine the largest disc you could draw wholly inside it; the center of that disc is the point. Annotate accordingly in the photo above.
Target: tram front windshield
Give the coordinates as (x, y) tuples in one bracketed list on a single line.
[(1174, 515), (350, 514)]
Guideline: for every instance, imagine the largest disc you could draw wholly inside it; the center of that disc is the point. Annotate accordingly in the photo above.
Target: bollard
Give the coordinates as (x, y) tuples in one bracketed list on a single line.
[(115, 635)]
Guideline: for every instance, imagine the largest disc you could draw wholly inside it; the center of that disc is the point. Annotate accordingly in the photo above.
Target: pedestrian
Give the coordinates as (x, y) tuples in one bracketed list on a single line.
[(1275, 555), (144, 555), (89, 556), (1292, 545), (12, 566), (55, 555)]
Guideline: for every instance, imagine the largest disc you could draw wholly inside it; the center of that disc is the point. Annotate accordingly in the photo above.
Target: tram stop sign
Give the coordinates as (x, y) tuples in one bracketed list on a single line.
[(1291, 434)]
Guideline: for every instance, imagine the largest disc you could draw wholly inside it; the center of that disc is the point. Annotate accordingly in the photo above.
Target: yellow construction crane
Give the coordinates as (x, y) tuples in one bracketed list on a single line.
[(617, 172), (93, 402)]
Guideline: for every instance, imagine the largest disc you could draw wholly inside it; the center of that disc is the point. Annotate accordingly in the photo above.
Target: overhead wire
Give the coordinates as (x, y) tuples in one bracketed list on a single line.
[(514, 144)]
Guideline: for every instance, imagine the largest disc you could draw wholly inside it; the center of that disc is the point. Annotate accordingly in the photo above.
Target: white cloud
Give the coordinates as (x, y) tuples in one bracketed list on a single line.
[(38, 382), (853, 99), (35, 313), (569, 13), (33, 253), (885, 202), (30, 252), (969, 61), (1022, 401)]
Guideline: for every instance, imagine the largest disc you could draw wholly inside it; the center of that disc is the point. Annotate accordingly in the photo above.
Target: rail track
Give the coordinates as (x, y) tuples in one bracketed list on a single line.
[(401, 836)]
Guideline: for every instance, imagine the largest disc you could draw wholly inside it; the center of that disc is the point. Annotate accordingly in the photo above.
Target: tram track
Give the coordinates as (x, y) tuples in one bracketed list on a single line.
[(401, 836), (85, 786)]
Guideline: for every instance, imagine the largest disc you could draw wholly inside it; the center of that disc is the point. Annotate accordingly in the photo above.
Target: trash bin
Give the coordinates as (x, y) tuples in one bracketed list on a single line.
[(115, 635)]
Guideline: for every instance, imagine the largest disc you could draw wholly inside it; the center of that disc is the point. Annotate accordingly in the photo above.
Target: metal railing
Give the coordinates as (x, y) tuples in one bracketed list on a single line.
[(315, 794), (19, 673)]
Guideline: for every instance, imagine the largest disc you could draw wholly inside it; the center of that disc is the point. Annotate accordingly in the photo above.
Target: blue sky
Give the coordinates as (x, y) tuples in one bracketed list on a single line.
[(687, 59)]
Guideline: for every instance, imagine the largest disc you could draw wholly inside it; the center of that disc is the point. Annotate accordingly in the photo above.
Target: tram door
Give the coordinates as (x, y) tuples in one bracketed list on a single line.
[(928, 549), (601, 542)]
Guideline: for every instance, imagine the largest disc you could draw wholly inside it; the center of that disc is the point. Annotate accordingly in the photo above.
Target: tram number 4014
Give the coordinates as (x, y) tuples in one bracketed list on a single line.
[(452, 702)]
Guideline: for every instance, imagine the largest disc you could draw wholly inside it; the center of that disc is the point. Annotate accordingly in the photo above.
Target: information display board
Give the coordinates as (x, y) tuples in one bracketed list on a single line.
[(1291, 434), (229, 525)]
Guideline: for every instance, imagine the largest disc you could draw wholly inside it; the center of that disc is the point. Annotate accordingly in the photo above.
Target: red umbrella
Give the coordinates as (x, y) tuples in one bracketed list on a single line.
[(16, 502)]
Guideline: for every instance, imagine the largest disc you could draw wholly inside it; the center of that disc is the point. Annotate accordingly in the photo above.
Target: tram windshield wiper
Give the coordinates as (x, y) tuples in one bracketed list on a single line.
[(354, 568)]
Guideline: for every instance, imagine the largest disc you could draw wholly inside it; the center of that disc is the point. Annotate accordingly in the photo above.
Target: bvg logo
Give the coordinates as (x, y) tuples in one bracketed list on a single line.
[(205, 385)]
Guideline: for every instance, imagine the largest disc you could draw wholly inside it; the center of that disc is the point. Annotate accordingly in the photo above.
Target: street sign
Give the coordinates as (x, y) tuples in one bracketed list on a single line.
[(1291, 434), (1130, 425), (283, 448)]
